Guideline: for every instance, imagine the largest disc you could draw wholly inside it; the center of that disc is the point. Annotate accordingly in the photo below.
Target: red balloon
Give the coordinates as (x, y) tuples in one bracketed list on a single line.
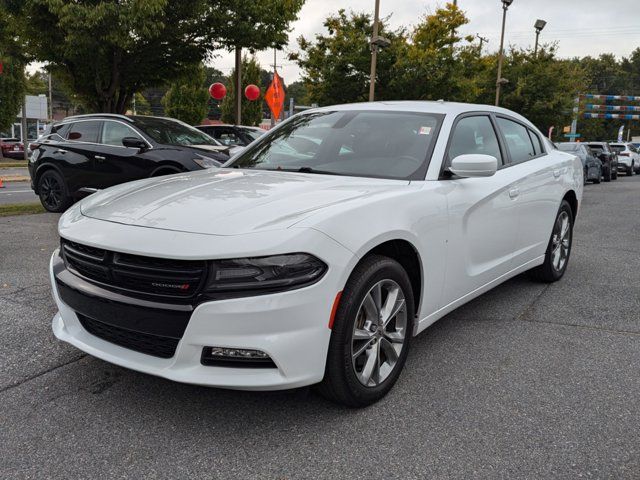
[(252, 92), (217, 91)]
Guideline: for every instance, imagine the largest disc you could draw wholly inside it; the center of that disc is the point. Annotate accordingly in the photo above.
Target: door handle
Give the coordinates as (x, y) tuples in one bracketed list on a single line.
[(60, 151), (556, 173), (100, 158), (513, 193)]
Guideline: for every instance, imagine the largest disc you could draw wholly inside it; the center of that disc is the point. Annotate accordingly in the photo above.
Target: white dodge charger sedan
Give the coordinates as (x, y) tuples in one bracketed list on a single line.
[(315, 255)]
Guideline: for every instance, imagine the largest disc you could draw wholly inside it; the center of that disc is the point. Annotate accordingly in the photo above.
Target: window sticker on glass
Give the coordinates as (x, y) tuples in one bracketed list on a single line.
[(424, 130)]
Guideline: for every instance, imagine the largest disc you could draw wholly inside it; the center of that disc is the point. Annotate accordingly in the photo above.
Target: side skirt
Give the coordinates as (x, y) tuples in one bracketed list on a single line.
[(437, 315)]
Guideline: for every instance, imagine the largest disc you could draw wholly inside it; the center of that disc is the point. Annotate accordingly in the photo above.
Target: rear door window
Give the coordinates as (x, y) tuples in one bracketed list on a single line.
[(87, 131), (518, 140)]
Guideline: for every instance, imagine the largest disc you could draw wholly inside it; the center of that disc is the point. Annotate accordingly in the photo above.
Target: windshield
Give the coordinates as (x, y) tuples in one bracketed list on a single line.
[(172, 132), (393, 145), (618, 148), (596, 147), (253, 134), (568, 147)]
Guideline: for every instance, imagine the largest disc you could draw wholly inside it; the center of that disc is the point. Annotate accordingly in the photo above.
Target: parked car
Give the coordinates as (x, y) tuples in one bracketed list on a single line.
[(12, 148), (87, 153), (628, 157), (286, 269), (608, 158), (591, 165), (232, 135)]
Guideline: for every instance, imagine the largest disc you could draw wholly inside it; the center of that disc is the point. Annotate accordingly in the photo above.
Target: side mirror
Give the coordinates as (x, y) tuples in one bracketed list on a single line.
[(474, 165), (134, 142)]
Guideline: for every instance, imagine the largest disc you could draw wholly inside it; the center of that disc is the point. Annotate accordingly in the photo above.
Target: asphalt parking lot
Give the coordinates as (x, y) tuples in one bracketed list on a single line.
[(528, 381)]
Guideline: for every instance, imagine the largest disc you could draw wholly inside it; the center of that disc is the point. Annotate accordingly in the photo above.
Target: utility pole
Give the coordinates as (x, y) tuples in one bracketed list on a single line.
[(482, 41), (50, 99), (238, 86), (275, 69), (374, 52), (500, 80)]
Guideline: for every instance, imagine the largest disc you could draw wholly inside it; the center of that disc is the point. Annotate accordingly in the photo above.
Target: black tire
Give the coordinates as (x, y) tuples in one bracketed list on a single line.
[(53, 192), (614, 173), (548, 272), (597, 180), (341, 383), (630, 171), (585, 176), (606, 173)]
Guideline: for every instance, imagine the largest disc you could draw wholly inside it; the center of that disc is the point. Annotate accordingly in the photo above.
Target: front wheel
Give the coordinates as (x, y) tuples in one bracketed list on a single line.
[(614, 173), (371, 333), (53, 192), (558, 251), (630, 170), (607, 173)]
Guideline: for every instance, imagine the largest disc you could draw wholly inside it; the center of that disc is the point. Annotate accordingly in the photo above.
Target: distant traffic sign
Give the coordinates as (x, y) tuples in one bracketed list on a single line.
[(572, 135)]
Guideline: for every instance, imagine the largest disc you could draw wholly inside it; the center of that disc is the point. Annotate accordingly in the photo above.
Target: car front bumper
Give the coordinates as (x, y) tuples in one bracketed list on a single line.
[(291, 327)]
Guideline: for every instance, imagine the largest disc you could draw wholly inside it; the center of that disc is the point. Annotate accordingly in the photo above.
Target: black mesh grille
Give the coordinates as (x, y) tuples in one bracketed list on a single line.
[(158, 346), (135, 273)]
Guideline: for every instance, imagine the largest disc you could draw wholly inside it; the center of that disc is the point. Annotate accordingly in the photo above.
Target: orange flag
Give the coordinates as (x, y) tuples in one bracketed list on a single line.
[(275, 96)]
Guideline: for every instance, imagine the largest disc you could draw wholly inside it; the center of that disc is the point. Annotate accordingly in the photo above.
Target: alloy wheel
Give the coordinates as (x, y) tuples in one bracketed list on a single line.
[(51, 192), (561, 242), (379, 333)]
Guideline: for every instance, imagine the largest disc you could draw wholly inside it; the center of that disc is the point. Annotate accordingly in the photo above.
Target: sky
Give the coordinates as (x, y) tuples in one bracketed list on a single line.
[(581, 27)]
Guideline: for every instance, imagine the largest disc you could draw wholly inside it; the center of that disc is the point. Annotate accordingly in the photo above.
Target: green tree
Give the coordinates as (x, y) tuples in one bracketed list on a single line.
[(336, 65), (439, 64), (12, 79), (542, 88), (106, 50), (251, 111), (256, 25), (186, 99)]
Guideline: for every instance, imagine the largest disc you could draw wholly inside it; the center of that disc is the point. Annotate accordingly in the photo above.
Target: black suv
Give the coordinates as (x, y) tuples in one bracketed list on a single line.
[(608, 157), (86, 153)]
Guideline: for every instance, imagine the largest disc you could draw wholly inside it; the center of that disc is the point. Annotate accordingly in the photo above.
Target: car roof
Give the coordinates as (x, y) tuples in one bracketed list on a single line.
[(423, 106), (127, 118)]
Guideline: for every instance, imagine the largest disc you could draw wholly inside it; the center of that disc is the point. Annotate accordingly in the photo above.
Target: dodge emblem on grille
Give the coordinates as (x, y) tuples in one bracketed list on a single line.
[(183, 286)]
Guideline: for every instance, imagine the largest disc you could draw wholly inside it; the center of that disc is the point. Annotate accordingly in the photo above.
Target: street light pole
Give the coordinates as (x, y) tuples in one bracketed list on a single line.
[(539, 25), (374, 53), (499, 79)]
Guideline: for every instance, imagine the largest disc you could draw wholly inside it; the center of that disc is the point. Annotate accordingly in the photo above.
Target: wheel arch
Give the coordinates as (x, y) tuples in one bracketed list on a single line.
[(406, 254), (166, 167), (45, 167), (572, 200)]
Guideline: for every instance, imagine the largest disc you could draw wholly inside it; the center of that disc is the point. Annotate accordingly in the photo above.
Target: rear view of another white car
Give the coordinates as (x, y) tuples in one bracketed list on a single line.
[(628, 158)]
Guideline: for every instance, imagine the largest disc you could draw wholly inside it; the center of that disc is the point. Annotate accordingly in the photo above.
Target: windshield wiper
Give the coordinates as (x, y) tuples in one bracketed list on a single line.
[(310, 170)]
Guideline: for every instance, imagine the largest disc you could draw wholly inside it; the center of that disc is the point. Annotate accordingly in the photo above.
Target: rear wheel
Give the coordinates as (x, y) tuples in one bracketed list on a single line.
[(614, 173), (606, 173), (559, 248), (53, 192), (371, 333), (585, 176)]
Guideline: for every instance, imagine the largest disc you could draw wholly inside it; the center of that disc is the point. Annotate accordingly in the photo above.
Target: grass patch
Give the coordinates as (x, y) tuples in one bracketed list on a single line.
[(13, 164), (20, 209)]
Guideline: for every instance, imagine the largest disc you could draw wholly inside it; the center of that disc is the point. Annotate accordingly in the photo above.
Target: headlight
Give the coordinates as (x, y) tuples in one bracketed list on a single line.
[(206, 162), (264, 274)]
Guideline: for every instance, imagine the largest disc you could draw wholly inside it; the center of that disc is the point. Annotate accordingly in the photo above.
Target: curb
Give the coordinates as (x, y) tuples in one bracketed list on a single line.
[(14, 178)]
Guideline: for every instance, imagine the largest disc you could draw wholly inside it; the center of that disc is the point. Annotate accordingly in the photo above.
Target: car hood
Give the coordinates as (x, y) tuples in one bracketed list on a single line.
[(229, 201)]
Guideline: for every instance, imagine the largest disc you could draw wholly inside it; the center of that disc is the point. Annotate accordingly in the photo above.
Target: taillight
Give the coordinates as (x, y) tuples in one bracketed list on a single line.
[(623, 154), (34, 146)]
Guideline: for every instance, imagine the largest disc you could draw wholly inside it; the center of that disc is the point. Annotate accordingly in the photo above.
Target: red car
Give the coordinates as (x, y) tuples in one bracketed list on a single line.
[(11, 148)]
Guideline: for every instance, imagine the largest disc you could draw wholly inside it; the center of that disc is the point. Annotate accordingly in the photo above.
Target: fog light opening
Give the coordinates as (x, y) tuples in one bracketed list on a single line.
[(236, 358)]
